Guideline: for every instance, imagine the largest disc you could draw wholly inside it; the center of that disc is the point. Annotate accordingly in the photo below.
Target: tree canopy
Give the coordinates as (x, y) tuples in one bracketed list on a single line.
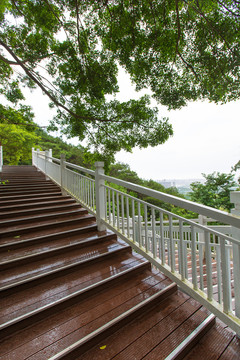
[(215, 191), (17, 134), (181, 50)]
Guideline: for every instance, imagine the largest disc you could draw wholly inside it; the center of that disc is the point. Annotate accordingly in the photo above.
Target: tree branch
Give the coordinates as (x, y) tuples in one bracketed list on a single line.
[(199, 11), (229, 10), (32, 77), (11, 62)]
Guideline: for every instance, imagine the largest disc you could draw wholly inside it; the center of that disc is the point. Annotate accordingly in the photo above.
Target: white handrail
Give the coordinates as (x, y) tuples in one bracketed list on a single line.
[(185, 250)]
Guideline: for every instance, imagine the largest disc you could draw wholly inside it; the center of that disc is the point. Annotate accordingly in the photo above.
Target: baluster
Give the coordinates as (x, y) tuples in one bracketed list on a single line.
[(146, 228), (91, 194), (106, 206), (113, 207), (139, 225), (88, 191), (128, 224), (236, 274), (219, 278), (122, 204), (81, 189), (162, 242), (133, 221), (154, 245), (78, 186), (208, 266), (118, 219), (193, 255), (182, 258), (226, 283), (94, 192), (200, 252), (172, 247)]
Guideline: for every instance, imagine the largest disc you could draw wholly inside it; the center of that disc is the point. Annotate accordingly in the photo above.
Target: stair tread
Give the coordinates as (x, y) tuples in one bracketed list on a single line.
[(20, 244), (81, 319), (150, 331), (40, 267), (41, 219), (66, 285), (216, 342), (25, 231), (34, 204), (51, 209), (64, 244)]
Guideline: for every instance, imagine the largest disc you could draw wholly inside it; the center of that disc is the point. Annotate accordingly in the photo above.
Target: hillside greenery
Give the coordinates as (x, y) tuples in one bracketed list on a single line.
[(72, 50)]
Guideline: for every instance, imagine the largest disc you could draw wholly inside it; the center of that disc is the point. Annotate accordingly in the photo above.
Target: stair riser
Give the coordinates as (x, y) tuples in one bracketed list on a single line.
[(29, 200), (23, 231), (60, 272), (36, 204), (20, 187), (20, 198), (73, 299), (30, 192), (12, 215), (47, 238), (55, 252), (15, 222)]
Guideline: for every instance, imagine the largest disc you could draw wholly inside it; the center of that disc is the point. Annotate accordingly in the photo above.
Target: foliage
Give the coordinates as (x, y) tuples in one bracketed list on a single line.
[(17, 134), (236, 167), (181, 50), (215, 191), (123, 171)]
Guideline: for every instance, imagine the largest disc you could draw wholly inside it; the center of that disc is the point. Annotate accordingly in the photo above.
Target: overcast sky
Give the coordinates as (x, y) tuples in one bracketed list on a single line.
[(206, 138)]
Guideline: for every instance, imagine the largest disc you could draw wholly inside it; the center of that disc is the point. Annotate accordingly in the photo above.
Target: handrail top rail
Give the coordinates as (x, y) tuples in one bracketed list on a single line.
[(80, 168), (182, 219), (219, 215)]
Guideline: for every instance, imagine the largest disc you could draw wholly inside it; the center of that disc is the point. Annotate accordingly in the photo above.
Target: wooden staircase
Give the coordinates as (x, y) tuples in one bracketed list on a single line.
[(71, 292)]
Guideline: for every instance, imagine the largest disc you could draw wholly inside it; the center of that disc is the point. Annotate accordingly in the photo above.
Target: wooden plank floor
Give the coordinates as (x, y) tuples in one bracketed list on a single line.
[(71, 292)]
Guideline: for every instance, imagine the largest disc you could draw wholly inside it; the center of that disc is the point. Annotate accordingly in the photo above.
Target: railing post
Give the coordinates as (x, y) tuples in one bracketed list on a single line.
[(1, 157), (46, 163), (235, 199), (50, 154), (38, 151), (62, 170), (100, 195), (33, 156)]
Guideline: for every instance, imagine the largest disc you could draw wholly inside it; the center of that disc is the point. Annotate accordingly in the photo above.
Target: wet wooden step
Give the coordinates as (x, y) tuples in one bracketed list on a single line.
[(21, 221), (19, 214), (89, 315), (54, 299), (19, 198), (71, 292), (49, 240), (70, 221), (19, 187), (25, 301), (15, 279), (151, 336), (47, 189), (36, 203), (39, 252)]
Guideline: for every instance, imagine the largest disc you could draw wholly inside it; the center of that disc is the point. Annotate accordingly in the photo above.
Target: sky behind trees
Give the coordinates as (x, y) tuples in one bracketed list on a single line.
[(183, 51), (206, 137)]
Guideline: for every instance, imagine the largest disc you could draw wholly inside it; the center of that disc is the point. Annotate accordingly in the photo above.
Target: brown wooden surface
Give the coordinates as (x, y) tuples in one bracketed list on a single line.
[(61, 280)]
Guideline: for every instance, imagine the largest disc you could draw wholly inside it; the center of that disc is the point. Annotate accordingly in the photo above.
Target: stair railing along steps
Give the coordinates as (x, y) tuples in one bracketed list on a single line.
[(129, 218), (70, 291)]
